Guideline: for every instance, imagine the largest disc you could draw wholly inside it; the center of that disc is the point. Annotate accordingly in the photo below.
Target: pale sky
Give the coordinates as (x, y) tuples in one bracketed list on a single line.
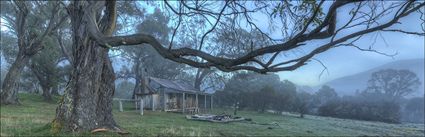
[(345, 61)]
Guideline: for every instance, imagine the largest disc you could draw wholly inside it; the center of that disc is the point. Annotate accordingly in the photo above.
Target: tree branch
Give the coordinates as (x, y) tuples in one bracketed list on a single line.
[(230, 64)]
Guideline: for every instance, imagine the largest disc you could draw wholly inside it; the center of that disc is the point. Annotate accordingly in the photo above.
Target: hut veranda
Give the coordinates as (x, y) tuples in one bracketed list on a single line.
[(170, 96)]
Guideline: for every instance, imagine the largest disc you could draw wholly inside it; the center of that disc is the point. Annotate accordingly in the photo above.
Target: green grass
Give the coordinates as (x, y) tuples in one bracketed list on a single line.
[(32, 117)]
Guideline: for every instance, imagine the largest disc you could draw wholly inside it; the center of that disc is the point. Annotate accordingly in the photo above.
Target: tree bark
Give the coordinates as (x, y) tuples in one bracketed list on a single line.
[(87, 101), (9, 94)]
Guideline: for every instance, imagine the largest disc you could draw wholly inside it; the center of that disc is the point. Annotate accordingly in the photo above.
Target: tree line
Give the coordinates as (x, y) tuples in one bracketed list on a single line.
[(250, 91)]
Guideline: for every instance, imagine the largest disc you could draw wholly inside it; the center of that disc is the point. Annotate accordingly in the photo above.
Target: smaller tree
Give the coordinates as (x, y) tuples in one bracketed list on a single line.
[(41, 19), (263, 99), (414, 110), (285, 97), (44, 65), (302, 103), (324, 95), (124, 89), (394, 83), (364, 106)]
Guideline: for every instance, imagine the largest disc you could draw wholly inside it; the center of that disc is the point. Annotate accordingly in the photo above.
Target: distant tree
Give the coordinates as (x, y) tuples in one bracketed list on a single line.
[(394, 83), (414, 110), (44, 65), (302, 102), (323, 95), (224, 98), (28, 82), (286, 95), (364, 106), (241, 87), (124, 89), (264, 98), (326, 92)]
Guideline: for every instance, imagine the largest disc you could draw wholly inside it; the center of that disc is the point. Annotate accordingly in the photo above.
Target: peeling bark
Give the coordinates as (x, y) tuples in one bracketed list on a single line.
[(87, 102)]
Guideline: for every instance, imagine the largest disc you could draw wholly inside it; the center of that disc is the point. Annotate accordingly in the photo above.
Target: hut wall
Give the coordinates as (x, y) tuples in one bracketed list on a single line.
[(147, 101), (190, 101), (173, 100)]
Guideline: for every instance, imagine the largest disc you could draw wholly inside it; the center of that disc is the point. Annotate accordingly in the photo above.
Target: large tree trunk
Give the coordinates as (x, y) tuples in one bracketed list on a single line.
[(11, 81), (87, 102)]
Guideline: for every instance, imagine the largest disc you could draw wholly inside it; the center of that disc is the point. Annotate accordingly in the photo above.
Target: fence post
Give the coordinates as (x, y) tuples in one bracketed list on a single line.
[(120, 105), (184, 102), (211, 102), (197, 104), (141, 106), (135, 102)]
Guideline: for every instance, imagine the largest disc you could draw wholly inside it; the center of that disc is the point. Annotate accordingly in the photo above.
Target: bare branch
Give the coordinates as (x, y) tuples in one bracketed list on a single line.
[(213, 27), (406, 32), (185, 55), (63, 48), (324, 67), (175, 30)]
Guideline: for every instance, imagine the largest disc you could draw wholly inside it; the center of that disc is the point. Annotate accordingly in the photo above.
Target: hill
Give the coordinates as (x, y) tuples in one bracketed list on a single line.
[(349, 84), (32, 116)]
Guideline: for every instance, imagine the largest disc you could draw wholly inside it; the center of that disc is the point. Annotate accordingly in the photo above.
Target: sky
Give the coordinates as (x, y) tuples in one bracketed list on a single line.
[(344, 61)]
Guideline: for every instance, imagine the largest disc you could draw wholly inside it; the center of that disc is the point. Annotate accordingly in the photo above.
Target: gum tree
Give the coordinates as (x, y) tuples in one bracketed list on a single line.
[(31, 23)]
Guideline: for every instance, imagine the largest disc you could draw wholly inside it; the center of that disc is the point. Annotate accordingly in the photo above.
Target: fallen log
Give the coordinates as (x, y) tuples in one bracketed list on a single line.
[(215, 118)]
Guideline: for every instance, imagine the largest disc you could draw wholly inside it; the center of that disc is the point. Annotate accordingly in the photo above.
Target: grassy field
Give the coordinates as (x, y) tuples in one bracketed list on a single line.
[(33, 115)]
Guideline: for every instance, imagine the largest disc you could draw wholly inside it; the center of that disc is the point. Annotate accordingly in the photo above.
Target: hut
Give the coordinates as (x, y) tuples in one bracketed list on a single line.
[(174, 96)]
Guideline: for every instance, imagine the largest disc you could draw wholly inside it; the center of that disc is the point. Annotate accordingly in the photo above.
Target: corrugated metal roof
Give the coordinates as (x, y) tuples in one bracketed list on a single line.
[(176, 85)]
